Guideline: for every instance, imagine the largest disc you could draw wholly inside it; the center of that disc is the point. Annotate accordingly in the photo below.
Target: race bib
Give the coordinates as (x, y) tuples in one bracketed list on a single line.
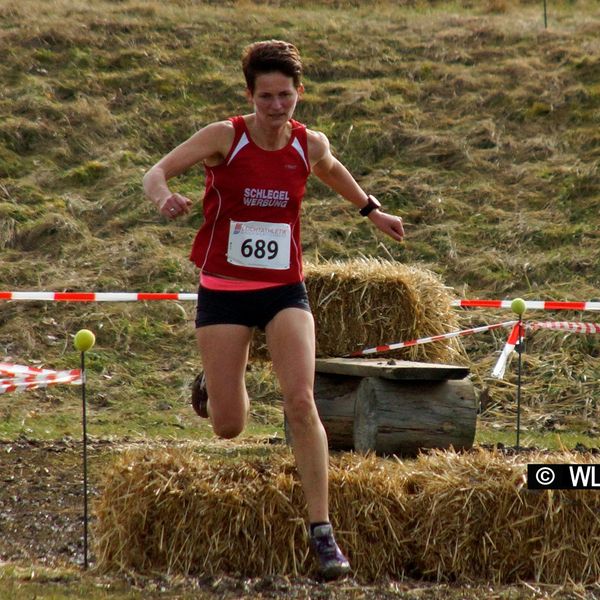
[(259, 245)]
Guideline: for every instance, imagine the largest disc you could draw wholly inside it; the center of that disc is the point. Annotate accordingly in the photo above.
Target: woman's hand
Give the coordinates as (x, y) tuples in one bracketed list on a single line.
[(389, 224), (174, 206)]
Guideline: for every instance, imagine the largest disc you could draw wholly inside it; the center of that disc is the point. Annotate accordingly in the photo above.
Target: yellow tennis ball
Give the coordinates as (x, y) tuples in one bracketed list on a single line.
[(84, 340), (518, 306)]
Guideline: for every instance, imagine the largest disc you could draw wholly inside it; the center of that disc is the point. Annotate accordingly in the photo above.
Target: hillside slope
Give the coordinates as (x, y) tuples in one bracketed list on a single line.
[(471, 120)]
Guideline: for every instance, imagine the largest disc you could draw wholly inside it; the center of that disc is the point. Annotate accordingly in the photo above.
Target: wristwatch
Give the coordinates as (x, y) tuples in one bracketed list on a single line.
[(372, 204)]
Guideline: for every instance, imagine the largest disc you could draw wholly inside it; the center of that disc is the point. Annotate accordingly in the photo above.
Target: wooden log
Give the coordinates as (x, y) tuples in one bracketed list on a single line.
[(394, 406), (399, 417), (335, 397)]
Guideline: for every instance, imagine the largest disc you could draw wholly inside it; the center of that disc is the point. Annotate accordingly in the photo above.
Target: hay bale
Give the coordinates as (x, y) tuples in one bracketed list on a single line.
[(475, 519), (367, 302), (444, 516), (171, 511)]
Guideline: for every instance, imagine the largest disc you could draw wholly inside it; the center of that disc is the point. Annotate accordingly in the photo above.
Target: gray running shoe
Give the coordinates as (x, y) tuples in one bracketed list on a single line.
[(332, 563), (199, 396)]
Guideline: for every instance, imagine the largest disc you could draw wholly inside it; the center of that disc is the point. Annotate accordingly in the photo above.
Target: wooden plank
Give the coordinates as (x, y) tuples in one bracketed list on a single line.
[(390, 369)]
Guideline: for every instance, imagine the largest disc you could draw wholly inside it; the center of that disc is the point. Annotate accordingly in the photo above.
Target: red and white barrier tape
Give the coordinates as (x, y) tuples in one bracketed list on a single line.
[(589, 328), (20, 377), (96, 296), (530, 304), (500, 367), (513, 338), (149, 296), (434, 338), (12, 370)]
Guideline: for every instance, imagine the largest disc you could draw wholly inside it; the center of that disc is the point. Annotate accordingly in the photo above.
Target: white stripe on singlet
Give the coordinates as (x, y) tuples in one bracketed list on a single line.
[(244, 141), (297, 146)]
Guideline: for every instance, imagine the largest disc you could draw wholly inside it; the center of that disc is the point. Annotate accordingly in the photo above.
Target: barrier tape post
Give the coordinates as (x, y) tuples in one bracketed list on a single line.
[(85, 475), (519, 348), (84, 340), (518, 307)]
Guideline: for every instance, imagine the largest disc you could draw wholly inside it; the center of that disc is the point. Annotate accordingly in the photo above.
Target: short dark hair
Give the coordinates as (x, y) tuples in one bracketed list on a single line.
[(271, 56)]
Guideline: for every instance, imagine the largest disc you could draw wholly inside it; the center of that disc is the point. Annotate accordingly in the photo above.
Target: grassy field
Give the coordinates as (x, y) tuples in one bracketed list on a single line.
[(470, 119)]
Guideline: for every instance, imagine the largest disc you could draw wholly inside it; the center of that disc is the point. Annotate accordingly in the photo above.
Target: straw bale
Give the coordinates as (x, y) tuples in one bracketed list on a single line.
[(443, 516), (367, 302), (171, 511), (367, 503), (474, 519)]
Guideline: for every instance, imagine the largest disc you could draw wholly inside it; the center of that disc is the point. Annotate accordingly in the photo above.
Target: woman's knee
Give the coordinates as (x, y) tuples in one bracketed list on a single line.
[(228, 419), (228, 428), (300, 408)]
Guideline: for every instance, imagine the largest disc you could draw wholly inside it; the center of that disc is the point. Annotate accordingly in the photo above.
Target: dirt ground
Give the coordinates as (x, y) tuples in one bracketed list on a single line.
[(41, 523)]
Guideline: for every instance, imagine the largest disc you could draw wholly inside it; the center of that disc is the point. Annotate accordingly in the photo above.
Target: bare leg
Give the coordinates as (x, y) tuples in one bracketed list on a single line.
[(224, 352), (291, 341)]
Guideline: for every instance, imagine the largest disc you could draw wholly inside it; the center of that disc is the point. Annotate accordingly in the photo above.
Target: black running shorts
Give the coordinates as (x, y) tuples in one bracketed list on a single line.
[(252, 309)]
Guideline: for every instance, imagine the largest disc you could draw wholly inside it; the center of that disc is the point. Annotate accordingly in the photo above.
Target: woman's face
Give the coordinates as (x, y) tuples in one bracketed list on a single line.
[(274, 98)]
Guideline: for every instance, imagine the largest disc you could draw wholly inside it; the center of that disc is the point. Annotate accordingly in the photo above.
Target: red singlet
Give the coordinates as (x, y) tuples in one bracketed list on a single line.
[(251, 210)]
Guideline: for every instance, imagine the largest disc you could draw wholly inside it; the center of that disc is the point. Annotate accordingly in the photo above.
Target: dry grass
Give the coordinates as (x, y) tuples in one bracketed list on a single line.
[(445, 516)]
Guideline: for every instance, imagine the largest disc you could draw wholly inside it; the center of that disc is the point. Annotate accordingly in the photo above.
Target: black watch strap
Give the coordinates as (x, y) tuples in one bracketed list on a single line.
[(372, 204)]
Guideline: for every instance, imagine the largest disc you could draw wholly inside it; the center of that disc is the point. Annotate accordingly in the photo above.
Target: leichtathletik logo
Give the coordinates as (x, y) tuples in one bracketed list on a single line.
[(237, 228)]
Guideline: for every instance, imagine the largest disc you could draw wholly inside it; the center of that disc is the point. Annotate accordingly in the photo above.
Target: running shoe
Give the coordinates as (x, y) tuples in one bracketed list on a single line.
[(332, 563), (199, 396)]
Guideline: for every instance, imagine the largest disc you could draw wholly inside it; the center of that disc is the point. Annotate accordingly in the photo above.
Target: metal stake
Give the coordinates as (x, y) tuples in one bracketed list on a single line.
[(519, 366), (85, 482)]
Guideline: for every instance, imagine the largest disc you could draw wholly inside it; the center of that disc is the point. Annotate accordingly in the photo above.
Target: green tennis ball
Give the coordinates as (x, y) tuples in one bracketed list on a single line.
[(518, 306), (84, 340)]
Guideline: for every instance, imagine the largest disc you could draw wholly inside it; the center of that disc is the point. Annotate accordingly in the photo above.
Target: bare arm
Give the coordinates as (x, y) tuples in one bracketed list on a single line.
[(210, 144), (335, 175)]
